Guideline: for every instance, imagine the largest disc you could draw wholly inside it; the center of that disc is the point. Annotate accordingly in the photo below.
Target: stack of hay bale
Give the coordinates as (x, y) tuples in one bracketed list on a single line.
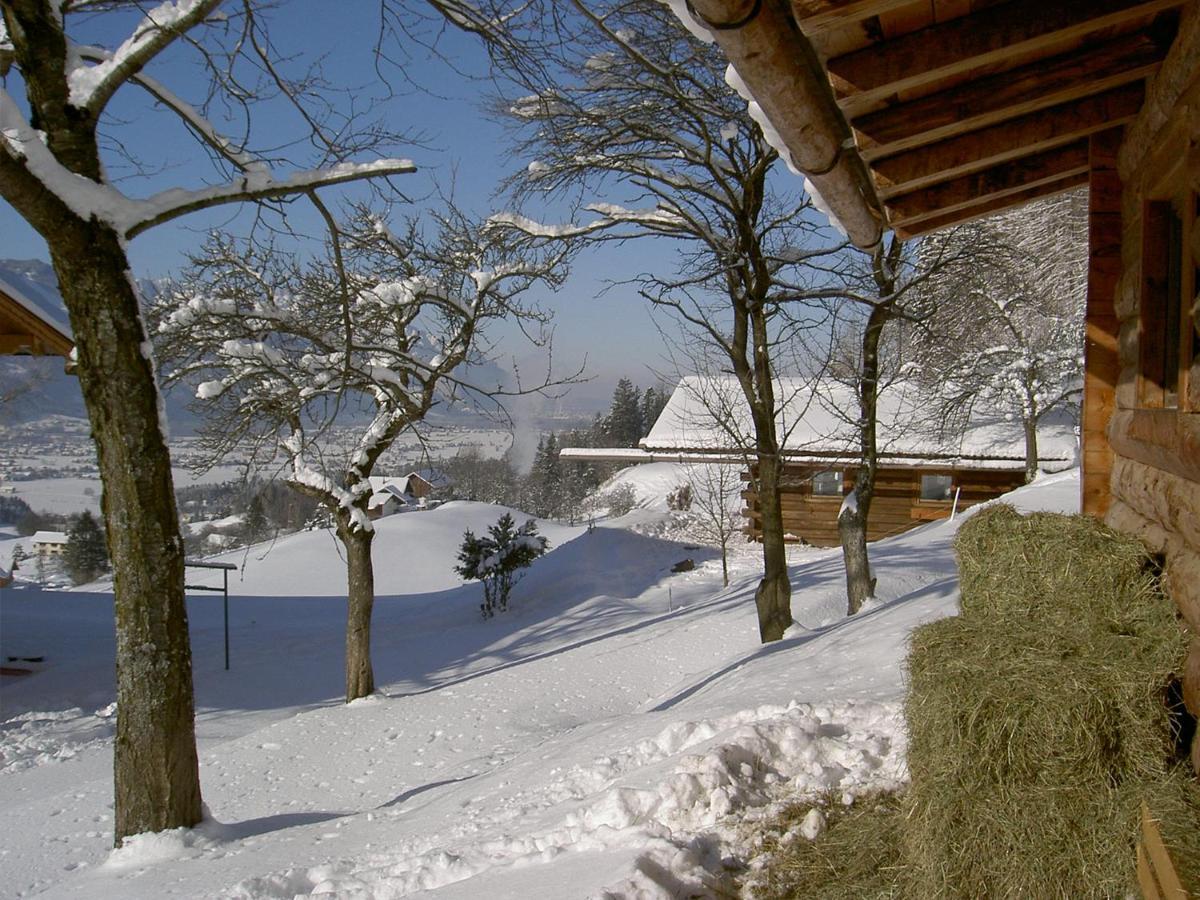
[(1038, 719)]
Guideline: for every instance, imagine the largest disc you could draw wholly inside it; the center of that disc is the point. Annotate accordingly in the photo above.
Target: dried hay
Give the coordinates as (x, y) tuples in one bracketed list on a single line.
[(1049, 564), (857, 856), (1037, 719)]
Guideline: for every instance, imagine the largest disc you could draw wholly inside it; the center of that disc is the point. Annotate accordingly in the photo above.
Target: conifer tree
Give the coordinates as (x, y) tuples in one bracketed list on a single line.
[(653, 403), (256, 527), (86, 556), (497, 558), (624, 422)]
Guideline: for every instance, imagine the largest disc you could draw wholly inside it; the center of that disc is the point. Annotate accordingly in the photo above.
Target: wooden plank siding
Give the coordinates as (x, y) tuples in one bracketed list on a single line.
[(1155, 437), (896, 507)]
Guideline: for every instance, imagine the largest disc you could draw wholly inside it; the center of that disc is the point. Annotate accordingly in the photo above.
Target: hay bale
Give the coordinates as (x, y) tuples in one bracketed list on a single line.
[(1037, 719), (1061, 565)]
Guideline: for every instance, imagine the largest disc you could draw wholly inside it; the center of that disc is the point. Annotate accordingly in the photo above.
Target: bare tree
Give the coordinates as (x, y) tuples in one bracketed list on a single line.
[(387, 324), (56, 135), (716, 506), (1007, 335), (643, 132), (891, 291)]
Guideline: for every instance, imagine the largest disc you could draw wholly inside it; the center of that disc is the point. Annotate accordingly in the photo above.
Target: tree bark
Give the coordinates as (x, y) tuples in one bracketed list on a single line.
[(157, 782), (774, 595), (1031, 449), (360, 599), (860, 586)]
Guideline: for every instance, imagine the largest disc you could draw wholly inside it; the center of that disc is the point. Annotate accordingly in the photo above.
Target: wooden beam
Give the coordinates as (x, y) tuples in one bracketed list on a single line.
[(981, 39), (1101, 365), (821, 15), (780, 69), (1006, 178), (26, 344), (990, 205), (1027, 134), (993, 99)]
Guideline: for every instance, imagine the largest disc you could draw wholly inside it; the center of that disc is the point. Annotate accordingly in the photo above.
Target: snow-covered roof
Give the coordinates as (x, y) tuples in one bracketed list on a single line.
[(815, 423), (433, 477), (49, 537), (392, 491)]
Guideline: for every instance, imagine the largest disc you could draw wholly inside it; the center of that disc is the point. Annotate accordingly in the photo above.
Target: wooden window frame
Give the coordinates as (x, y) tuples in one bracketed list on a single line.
[(1166, 362), (828, 497), (921, 476)]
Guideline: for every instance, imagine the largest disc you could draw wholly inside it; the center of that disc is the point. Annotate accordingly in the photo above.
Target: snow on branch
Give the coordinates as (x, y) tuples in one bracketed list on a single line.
[(129, 217), (191, 117), (611, 215), (91, 86)]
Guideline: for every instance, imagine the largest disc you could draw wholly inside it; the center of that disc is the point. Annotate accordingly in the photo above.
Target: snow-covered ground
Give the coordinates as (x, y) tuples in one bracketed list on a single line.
[(608, 734)]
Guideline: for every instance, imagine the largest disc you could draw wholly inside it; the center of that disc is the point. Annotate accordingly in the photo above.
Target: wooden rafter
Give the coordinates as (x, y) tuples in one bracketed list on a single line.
[(1031, 133), (983, 38), (998, 181), (993, 99), (820, 15), (782, 71), (23, 332), (989, 205)]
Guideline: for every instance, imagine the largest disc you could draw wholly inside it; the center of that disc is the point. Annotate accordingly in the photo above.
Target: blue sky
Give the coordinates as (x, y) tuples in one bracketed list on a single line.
[(459, 144)]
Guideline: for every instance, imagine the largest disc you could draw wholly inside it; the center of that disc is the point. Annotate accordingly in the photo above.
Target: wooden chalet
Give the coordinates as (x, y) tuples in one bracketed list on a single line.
[(912, 115), (26, 329), (924, 474)]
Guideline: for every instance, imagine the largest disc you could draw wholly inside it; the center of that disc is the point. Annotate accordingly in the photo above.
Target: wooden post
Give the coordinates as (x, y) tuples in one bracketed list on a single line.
[(1101, 363)]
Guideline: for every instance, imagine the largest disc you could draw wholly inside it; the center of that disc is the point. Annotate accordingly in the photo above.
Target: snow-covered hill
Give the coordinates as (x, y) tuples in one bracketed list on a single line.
[(609, 733)]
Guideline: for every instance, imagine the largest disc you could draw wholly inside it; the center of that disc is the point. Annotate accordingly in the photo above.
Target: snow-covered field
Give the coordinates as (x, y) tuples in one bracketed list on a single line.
[(608, 736)]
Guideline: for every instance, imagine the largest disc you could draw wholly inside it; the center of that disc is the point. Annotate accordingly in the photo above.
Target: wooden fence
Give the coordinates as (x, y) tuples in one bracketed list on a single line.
[(1156, 873)]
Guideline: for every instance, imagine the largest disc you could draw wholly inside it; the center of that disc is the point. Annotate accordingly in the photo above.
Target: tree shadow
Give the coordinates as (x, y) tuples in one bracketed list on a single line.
[(937, 588)]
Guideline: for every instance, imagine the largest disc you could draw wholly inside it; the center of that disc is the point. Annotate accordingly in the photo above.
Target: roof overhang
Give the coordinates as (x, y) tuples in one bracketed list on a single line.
[(842, 458), (25, 330), (954, 109)]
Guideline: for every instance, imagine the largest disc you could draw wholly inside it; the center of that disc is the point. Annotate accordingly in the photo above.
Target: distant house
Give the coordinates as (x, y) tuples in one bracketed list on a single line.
[(391, 494), (923, 475), (28, 328), (389, 499), (49, 543)]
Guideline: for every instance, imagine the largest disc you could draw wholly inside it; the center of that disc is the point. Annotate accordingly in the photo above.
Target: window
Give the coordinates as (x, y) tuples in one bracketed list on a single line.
[(1167, 348), (937, 487), (827, 484)]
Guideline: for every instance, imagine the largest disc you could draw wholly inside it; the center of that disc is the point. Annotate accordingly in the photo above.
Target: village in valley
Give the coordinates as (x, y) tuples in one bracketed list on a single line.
[(617, 449)]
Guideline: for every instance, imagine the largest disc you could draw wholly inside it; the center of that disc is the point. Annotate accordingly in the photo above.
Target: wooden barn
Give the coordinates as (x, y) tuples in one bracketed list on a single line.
[(924, 474), (912, 115)]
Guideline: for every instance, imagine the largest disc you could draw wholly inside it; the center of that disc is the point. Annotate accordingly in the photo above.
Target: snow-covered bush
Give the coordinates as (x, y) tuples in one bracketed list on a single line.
[(620, 500), (498, 558)]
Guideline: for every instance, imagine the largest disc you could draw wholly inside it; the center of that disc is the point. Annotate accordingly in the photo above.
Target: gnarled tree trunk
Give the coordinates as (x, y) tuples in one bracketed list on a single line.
[(156, 772), (360, 598)]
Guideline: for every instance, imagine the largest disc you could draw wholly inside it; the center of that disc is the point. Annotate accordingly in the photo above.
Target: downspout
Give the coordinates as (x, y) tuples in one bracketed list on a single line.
[(780, 68)]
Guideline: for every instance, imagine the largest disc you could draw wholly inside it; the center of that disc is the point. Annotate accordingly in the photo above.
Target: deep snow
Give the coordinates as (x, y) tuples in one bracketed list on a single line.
[(608, 734)]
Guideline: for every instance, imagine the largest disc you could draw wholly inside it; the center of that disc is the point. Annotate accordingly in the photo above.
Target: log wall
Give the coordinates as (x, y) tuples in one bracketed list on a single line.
[(1155, 478), (896, 508)]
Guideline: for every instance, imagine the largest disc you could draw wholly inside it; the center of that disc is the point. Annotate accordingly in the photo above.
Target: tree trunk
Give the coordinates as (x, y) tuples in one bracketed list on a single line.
[(774, 595), (1031, 449), (360, 599), (853, 519), (157, 782), (852, 529)]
